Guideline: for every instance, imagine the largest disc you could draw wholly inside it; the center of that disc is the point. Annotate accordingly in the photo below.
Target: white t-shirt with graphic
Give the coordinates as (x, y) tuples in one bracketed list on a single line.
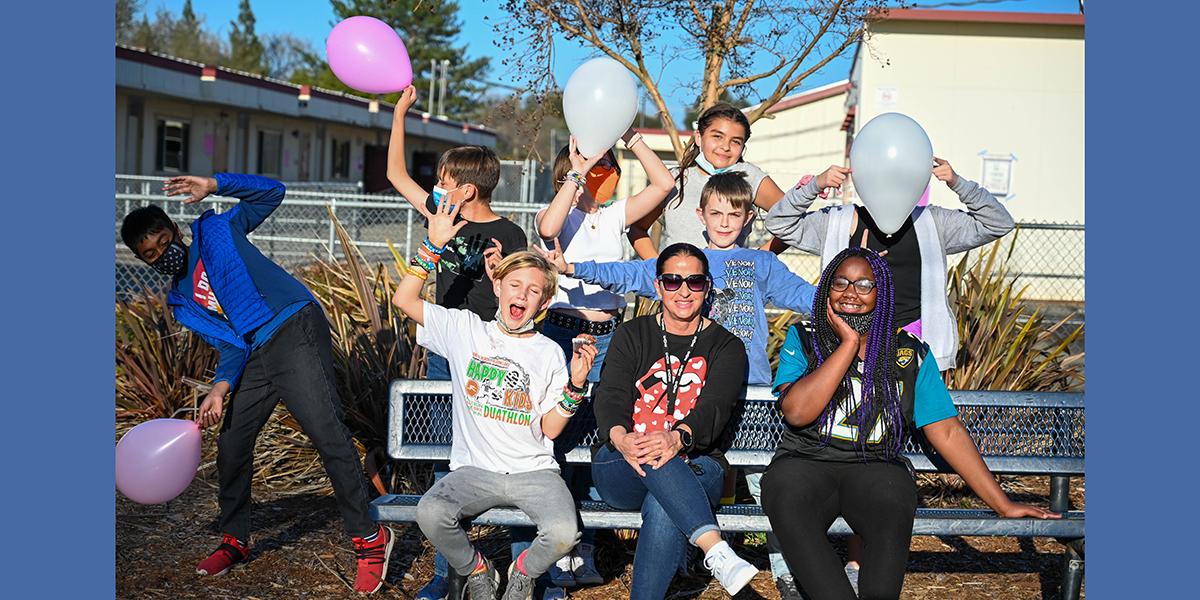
[(502, 386), (598, 237)]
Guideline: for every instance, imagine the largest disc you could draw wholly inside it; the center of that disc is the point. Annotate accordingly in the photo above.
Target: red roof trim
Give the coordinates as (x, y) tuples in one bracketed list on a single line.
[(660, 131), (809, 97), (980, 16)]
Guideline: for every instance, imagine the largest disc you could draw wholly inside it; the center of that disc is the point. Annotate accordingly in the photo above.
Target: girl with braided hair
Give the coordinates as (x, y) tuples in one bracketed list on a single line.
[(851, 387)]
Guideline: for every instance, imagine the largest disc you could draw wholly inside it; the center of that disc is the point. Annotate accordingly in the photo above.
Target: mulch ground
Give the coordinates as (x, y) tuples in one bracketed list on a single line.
[(300, 551)]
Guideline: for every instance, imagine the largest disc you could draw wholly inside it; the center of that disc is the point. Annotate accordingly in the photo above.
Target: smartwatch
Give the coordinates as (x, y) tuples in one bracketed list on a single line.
[(685, 438)]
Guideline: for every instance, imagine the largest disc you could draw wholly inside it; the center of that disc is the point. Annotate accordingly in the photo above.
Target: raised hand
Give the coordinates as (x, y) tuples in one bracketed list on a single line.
[(833, 177), (442, 227), (944, 172), (583, 359), (492, 257), (196, 188), (408, 97), (555, 257), (580, 163)]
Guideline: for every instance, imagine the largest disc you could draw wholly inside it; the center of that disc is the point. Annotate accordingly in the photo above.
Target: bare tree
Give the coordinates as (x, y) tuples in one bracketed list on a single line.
[(743, 43)]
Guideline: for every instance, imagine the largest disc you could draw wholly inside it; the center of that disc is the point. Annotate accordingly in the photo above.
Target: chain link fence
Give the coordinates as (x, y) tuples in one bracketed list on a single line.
[(1048, 257)]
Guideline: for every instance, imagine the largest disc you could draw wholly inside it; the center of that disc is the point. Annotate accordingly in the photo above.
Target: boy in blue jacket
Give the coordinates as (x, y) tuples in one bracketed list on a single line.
[(274, 344)]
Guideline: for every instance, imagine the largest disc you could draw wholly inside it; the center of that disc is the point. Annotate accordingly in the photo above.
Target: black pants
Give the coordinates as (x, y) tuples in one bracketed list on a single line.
[(296, 365), (803, 497)]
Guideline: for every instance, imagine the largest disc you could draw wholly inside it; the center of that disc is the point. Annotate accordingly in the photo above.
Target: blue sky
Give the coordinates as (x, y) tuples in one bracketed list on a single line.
[(312, 20)]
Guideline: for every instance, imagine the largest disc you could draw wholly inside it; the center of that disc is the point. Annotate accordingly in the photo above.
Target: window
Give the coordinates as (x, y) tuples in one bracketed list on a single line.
[(270, 152), (341, 159), (171, 152)]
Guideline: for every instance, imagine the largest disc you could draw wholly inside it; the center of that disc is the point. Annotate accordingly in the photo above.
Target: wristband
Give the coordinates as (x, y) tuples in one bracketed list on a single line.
[(421, 263), (564, 412), (418, 272), (578, 390), (576, 178), (637, 137), (428, 255), (434, 249)]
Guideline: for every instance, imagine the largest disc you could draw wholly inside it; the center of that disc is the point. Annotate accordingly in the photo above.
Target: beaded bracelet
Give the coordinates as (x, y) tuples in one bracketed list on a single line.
[(573, 396), (434, 249), (421, 263), (576, 178)]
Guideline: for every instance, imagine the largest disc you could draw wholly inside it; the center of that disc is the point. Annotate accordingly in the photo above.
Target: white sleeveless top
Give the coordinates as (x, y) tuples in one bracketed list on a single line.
[(597, 237)]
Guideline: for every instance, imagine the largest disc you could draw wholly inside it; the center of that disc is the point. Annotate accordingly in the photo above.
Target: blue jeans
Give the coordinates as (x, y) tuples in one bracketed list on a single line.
[(676, 502), (438, 368)]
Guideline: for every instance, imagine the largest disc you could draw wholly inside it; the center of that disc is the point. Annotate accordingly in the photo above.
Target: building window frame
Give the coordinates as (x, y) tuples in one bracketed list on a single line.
[(172, 138), (270, 160)]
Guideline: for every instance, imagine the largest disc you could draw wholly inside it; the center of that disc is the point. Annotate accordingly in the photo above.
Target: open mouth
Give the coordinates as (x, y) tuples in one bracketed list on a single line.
[(850, 307), (517, 312)]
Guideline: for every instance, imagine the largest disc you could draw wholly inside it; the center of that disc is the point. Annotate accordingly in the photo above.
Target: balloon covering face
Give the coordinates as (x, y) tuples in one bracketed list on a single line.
[(599, 104), (892, 160), (367, 55)]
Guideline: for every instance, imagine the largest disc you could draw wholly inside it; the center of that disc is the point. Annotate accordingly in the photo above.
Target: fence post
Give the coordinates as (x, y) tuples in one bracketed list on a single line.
[(332, 210)]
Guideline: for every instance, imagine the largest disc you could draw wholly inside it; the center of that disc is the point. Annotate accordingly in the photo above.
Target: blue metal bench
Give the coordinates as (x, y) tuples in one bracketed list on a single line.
[(1018, 433)]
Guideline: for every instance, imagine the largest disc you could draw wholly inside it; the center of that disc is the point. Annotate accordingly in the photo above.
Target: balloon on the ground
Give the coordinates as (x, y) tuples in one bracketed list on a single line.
[(892, 160), (600, 102), (367, 55), (157, 460)]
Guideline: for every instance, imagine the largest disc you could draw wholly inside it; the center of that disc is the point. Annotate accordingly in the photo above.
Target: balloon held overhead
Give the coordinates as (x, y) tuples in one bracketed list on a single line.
[(367, 55)]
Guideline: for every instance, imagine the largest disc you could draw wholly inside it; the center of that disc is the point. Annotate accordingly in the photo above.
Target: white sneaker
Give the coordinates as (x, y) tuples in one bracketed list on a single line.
[(730, 570)]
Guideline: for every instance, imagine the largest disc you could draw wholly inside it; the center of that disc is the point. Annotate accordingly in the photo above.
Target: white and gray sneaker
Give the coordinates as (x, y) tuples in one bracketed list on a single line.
[(520, 586), (730, 570)]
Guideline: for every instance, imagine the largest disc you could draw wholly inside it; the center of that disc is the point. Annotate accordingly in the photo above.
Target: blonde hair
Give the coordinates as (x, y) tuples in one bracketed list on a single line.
[(526, 259)]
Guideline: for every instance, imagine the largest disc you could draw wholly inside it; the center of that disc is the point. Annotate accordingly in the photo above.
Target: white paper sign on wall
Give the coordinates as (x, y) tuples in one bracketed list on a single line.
[(997, 174), (887, 96)]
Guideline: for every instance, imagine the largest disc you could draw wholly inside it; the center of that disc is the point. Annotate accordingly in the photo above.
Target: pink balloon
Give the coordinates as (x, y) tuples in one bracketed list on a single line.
[(158, 459), (367, 55)]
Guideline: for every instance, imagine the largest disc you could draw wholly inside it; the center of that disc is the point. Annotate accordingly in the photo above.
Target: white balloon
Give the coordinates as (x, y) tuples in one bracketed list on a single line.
[(599, 104), (892, 161)]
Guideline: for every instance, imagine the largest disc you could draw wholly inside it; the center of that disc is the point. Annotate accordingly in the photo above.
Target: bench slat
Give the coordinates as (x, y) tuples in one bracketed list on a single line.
[(750, 518)]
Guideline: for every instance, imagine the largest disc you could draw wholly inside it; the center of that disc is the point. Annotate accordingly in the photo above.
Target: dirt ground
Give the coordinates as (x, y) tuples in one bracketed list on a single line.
[(300, 551)]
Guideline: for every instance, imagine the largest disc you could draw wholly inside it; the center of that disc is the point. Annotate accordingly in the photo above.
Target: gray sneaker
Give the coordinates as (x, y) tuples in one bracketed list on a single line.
[(483, 586), (520, 586)]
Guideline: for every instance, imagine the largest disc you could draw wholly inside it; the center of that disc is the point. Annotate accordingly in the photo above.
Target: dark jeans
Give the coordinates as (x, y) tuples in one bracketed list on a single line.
[(676, 502), (437, 368), (296, 365), (803, 497)]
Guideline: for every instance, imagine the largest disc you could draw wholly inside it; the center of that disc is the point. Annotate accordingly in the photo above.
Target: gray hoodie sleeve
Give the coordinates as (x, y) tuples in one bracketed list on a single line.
[(790, 221), (984, 221)]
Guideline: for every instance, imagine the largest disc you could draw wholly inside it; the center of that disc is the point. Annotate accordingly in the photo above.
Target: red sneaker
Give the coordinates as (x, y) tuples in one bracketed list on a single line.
[(229, 553), (372, 560)]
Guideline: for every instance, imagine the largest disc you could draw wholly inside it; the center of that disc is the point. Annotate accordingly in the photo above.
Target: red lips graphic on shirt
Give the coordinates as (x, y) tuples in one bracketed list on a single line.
[(650, 408)]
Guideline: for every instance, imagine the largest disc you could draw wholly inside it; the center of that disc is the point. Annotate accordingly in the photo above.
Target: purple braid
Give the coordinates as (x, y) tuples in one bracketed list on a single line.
[(880, 393)]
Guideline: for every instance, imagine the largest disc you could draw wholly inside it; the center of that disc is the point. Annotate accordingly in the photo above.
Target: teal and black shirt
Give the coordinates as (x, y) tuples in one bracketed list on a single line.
[(923, 400)]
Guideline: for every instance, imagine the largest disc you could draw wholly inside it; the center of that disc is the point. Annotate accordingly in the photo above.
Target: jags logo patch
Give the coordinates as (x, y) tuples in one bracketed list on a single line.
[(904, 356)]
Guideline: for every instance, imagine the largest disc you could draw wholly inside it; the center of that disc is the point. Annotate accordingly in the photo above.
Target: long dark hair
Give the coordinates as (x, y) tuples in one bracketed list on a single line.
[(880, 396), (720, 110)]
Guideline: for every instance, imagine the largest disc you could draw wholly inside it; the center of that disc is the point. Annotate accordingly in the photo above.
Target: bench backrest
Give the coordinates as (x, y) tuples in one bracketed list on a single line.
[(1016, 432)]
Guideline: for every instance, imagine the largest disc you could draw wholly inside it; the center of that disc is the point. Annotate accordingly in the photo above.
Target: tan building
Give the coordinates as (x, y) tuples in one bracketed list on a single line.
[(176, 116), (1000, 94)]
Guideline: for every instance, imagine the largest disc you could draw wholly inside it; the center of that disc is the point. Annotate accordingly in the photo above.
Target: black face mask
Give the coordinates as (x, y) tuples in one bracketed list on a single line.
[(858, 322), (173, 260)]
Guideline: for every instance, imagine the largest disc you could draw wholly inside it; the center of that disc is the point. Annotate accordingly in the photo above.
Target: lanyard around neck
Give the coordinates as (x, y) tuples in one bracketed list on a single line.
[(673, 377)]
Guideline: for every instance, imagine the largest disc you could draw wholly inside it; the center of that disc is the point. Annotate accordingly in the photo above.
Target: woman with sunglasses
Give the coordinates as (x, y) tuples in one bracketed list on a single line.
[(588, 222), (668, 388), (850, 389)]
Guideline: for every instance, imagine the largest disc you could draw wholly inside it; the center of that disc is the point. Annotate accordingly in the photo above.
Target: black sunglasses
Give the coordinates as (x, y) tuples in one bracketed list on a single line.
[(671, 281)]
